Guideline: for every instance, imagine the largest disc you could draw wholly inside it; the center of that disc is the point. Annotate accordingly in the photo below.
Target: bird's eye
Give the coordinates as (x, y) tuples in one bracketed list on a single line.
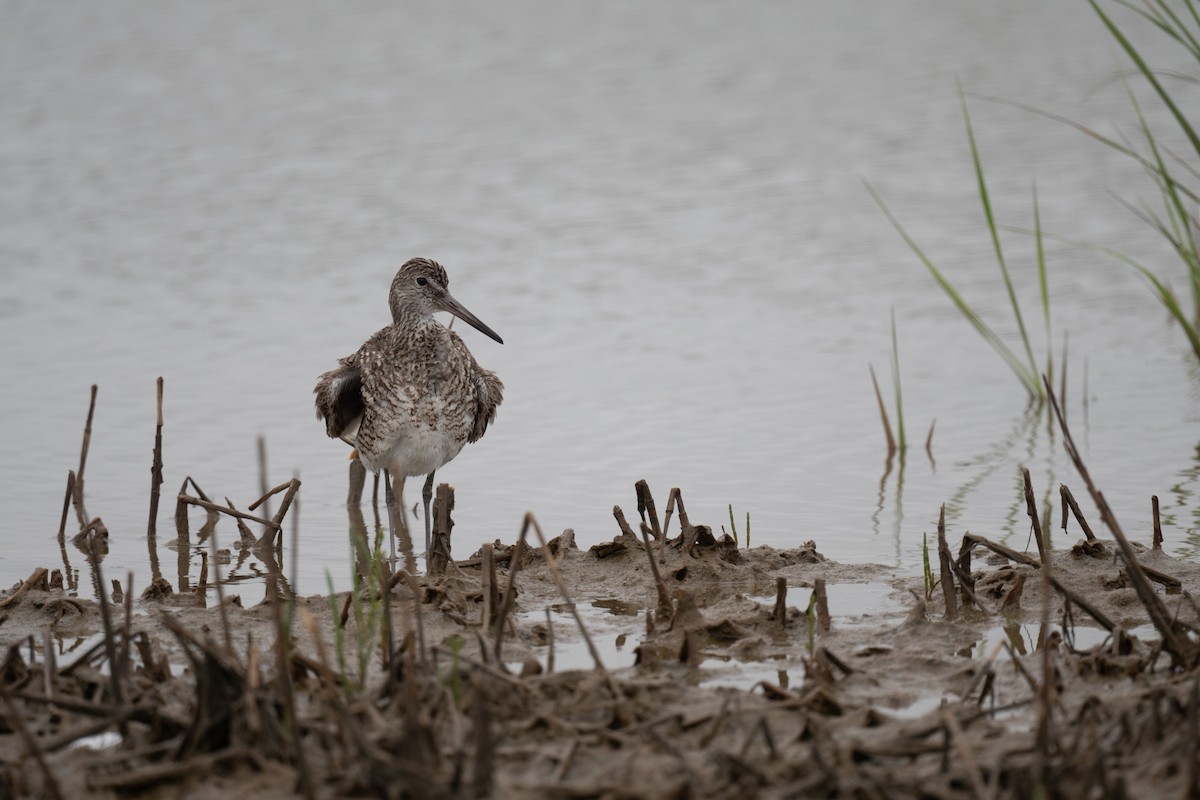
[(422, 281)]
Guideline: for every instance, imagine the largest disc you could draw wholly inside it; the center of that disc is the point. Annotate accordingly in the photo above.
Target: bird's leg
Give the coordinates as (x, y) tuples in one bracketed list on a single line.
[(427, 495), (389, 500), (396, 522)]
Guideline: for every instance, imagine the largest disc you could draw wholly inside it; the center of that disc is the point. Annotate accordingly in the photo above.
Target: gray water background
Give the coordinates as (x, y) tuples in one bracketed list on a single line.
[(661, 209)]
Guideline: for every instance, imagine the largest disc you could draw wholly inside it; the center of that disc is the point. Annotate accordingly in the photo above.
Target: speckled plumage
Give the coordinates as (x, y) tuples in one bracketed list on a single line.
[(413, 395)]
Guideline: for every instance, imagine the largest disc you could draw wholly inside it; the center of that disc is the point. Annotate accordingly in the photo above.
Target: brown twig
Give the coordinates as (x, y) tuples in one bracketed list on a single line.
[(1069, 500), (228, 510), (116, 673), (62, 523), (1158, 537), (646, 506), (439, 557), (83, 454), (246, 538), (37, 578), (156, 480), (962, 568), (664, 597), (1184, 653), (779, 613), (262, 479), (290, 488), (824, 621), (1021, 558), (1031, 510), (515, 562), (622, 523)]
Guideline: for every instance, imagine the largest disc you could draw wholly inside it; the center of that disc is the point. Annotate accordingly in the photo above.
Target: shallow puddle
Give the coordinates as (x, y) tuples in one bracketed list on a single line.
[(617, 627), (849, 603), (1023, 638)]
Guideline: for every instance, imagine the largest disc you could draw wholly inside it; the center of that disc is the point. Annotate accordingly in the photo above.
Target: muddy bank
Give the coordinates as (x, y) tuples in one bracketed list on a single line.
[(734, 673)]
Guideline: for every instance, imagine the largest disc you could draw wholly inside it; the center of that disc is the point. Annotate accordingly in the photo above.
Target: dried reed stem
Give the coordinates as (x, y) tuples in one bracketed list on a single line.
[(1031, 510), (487, 585), (824, 621), (187, 499), (1021, 558), (116, 673), (276, 525), (36, 578), (1183, 652), (664, 597), (228, 635), (62, 523), (83, 454), (1158, 537), (156, 477), (622, 523), (779, 613), (686, 532), (439, 556), (1069, 500), (515, 562), (944, 562), (883, 415), (646, 506), (262, 478)]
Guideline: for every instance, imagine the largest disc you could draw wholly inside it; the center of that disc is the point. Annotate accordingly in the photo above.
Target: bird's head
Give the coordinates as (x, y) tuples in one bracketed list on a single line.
[(421, 287)]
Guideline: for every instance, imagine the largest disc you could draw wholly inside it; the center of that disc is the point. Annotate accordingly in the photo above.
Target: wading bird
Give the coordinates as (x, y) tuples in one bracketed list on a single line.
[(413, 394)]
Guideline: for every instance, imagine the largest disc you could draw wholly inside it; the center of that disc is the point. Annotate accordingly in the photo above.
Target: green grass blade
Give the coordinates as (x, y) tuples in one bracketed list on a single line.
[(1182, 229), (991, 223), (1169, 22), (1043, 282), (1121, 148), (1149, 75), (896, 385), (1164, 292), (1028, 379)]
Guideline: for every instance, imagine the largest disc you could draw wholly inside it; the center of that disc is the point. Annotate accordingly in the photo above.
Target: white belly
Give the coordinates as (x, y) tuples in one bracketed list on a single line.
[(419, 452)]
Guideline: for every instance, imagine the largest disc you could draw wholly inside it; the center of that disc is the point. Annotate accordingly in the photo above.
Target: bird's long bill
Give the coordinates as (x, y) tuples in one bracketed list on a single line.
[(448, 303)]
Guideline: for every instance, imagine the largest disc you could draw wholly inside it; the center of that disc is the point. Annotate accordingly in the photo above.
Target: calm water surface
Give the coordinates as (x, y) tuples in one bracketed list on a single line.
[(659, 207)]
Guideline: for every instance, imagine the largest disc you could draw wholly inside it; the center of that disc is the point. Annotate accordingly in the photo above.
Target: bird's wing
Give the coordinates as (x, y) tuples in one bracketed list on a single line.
[(339, 398), (489, 392)]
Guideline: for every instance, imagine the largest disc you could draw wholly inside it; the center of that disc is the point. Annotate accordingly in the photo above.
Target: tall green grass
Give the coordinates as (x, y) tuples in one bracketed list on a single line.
[(1026, 370), (365, 603), (892, 446), (1178, 181)]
